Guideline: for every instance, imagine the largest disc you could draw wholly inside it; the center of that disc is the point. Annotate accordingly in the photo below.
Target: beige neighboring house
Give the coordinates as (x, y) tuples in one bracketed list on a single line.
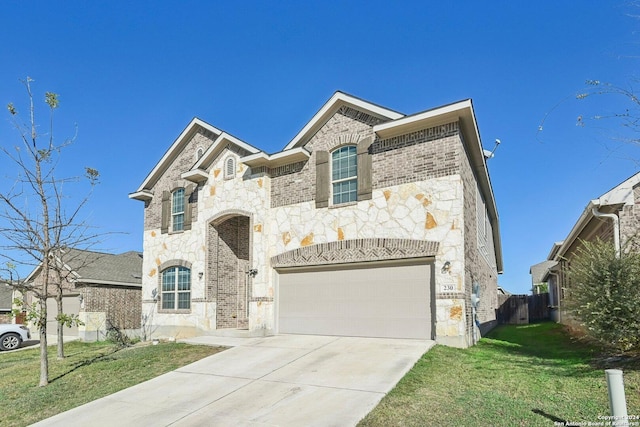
[(538, 272), (367, 223), (103, 289), (6, 302), (612, 217)]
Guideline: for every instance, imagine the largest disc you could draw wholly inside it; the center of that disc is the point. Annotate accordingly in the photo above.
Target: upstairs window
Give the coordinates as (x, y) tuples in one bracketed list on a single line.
[(176, 288), (177, 210), (229, 168), (344, 175)]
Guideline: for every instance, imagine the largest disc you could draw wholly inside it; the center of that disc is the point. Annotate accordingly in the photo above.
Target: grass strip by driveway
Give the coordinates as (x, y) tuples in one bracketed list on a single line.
[(529, 375), (90, 371)]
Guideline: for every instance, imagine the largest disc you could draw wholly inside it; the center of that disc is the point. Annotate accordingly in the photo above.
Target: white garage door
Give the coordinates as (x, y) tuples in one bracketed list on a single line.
[(384, 300)]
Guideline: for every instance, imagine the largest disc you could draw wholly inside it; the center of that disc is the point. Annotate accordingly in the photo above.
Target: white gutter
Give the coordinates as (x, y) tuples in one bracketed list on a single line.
[(616, 227)]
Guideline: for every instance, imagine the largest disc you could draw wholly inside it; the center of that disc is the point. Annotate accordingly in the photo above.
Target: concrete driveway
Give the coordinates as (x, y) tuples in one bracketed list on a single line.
[(283, 380)]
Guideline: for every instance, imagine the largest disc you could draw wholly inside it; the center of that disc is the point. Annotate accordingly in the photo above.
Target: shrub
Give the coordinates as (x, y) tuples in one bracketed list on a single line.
[(604, 294)]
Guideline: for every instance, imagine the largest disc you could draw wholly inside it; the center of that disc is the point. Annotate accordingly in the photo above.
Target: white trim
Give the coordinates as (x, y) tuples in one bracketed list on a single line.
[(195, 175), (340, 180), (89, 282), (442, 114), (141, 195), (298, 154)]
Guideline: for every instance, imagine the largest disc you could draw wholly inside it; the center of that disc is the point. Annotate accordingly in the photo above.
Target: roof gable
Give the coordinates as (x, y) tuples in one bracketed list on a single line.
[(338, 100), (222, 139)]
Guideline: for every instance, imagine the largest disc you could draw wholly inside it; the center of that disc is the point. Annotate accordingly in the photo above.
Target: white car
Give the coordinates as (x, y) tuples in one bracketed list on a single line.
[(12, 336)]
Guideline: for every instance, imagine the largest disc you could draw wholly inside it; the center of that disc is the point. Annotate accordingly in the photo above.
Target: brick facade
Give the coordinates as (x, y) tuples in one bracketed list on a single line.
[(122, 305), (227, 280), (478, 269), (171, 179)]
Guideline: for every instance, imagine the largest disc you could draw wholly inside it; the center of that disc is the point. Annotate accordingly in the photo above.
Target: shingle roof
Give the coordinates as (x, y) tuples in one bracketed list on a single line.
[(123, 269), (538, 271)]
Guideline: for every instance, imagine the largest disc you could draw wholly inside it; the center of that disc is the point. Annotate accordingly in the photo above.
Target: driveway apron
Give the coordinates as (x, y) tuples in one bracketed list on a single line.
[(283, 380)]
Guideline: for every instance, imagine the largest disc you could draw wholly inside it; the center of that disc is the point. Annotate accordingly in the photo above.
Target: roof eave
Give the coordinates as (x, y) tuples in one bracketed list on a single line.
[(195, 175), (143, 195), (281, 158), (582, 222)]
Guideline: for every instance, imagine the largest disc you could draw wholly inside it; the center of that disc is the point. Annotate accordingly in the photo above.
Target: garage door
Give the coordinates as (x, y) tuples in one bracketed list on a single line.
[(383, 300), (70, 305)]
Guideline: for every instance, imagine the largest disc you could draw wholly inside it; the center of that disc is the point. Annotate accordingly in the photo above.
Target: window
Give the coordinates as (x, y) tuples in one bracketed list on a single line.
[(176, 288), (199, 153), (229, 168), (344, 179), (177, 210)]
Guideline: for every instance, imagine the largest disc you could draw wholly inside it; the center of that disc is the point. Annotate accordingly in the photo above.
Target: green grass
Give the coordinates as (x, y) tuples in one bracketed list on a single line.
[(90, 371), (532, 375)]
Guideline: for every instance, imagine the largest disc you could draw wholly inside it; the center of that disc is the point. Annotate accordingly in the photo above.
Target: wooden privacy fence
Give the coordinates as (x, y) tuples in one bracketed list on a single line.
[(522, 309)]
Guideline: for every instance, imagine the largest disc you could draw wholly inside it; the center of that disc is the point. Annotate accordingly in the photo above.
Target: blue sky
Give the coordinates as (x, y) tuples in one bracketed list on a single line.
[(132, 75)]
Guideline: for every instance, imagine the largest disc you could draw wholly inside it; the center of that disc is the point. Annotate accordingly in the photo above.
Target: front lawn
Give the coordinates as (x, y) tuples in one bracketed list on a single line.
[(90, 371), (530, 375)]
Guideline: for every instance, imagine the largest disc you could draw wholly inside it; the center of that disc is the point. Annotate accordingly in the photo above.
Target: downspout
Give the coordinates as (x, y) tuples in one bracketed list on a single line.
[(616, 227)]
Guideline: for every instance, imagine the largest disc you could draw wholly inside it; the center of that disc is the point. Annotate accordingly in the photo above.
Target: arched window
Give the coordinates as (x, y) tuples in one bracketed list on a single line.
[(229, 168), (344, 175), (176, 288), (199, 153)]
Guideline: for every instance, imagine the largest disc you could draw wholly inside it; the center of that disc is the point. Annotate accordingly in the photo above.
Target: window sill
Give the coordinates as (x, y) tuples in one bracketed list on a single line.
[(342, 205), (169, 311)]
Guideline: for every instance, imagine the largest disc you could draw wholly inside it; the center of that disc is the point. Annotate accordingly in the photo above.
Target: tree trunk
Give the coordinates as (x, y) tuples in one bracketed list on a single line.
[(42, 329), (59, 324)]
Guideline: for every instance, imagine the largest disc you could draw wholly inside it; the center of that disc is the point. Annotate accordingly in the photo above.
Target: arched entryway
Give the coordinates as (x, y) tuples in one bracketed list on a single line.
[(229, 260)]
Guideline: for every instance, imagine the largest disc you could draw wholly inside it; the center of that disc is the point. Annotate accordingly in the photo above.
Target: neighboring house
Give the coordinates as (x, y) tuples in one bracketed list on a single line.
[(368, 223), (612, 217), (537, 272), (103, 289), (6, 302)]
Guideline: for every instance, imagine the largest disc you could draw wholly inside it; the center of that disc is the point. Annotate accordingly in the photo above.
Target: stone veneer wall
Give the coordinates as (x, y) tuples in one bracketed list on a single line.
[(250, 199)]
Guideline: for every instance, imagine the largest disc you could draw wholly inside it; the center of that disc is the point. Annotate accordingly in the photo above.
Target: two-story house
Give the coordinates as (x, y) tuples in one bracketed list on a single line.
[(368, 223)]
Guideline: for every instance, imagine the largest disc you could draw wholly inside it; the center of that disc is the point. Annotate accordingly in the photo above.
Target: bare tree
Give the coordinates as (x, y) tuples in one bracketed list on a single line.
[(38, 221)]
